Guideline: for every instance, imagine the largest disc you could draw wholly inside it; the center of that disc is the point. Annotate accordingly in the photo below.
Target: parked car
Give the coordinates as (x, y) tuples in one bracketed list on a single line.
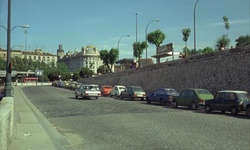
[(162, 95), (133, 92), (116, 90), (246, 106), (192, 97), (88, 91), (227, 100), (105, 90)]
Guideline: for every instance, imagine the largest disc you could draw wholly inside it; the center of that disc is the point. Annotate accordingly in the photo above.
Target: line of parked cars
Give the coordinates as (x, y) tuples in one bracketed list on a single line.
[(233, 101)]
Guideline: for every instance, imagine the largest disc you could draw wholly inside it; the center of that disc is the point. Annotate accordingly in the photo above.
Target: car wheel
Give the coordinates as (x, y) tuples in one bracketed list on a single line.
[(162, 102), (148, 100), (131, 97), (234, 110), (142, 99), (248, 111), (208, 108), (175, 104), (193, 106), (121, 97), (76, 97)]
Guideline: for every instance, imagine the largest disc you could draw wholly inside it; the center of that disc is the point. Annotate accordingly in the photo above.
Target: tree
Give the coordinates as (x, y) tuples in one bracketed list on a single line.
[(113, 56), (138, 49), (109, 58), (85, 72), (186, 33), (225, 20), (222, 41), (207, 50), (156, 37), (76, 75), (242, 40)]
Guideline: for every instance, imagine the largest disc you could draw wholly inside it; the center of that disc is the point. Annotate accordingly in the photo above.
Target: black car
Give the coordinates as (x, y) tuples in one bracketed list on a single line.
[(162, 95), (227, 100)]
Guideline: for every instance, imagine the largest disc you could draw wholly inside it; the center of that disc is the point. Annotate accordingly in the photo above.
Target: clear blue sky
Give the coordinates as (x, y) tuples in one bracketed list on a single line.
[(101, 23)]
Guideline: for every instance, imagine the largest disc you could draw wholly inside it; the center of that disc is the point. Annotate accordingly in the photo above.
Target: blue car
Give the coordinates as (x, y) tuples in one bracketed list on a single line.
[(162, 95)]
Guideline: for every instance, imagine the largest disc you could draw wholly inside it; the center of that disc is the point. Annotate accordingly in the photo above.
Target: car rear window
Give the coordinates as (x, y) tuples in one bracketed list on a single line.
[(172, 92), (137, 89), (243, 96), (203, 92)]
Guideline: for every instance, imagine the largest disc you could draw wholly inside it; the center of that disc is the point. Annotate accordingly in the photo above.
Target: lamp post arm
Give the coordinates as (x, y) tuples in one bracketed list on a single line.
[(3, 27), (120, 39)]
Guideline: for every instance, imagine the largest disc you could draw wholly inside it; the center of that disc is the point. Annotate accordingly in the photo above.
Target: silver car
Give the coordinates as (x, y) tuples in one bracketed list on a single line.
[(88, 91)]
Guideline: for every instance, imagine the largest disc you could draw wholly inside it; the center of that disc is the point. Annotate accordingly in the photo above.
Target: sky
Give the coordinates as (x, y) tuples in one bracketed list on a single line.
[(103, 23)]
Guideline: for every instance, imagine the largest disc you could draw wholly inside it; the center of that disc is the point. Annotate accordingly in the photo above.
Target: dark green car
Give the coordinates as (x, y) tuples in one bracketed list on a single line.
[(192, 98)]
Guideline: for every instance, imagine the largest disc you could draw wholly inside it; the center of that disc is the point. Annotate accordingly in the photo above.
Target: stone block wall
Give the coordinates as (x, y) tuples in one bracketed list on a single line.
[(229, 69), (6, 122)]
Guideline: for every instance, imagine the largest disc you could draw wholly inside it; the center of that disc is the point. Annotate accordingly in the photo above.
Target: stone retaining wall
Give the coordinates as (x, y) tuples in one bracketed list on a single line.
[(6, 122), (229, 69)]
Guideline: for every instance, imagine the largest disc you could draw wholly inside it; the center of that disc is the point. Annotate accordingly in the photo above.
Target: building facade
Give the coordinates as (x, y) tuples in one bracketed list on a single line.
[(88, 57), (37, 55)]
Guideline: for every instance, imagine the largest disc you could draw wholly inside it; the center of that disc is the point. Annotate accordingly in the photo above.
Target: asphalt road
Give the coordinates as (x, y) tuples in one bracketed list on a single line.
[(114, 124)]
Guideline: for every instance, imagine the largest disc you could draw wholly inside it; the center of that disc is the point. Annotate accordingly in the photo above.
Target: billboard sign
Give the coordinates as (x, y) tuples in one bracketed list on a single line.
[(165, 49)]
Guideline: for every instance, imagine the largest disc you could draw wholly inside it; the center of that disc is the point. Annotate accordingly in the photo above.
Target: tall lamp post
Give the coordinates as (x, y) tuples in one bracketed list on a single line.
[(194, 26), (156, 20), (8, 86)]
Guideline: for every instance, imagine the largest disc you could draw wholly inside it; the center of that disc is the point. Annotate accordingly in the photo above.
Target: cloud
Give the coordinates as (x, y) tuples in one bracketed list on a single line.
[(241, 21)]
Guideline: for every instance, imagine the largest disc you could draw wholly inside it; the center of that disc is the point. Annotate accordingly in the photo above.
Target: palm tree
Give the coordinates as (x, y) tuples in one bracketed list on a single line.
[(138, 49), (225, 20), (186, 33), (156, 37), (222, 41)]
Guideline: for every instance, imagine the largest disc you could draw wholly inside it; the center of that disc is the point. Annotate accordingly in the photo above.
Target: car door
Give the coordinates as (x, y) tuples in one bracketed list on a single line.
[(190, 98), (155, 97), (182, 98), (219, 101), (230, 100), (126, 92)]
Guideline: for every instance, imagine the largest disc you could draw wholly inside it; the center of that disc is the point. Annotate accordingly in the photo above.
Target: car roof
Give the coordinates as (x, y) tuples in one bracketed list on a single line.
[(120, 86), (194, 89), (231, 91), (167, 88), (134, 86)]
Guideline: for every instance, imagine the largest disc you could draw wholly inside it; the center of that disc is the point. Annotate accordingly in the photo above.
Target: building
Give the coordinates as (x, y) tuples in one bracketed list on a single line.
[(88, 57), (37, 55)]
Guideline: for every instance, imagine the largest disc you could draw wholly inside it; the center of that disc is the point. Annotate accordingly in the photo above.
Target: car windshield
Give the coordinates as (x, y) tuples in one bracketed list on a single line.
[(122, 88), (137, 89), (171, 92), (203, 92), (92, 87), (243, 96)]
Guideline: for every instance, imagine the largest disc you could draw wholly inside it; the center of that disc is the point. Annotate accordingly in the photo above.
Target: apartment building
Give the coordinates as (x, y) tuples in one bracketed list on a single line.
[(88, 57), (37, 55)]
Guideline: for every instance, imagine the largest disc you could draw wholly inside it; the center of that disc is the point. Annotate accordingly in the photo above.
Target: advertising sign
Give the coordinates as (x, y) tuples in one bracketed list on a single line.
[(165, 49)]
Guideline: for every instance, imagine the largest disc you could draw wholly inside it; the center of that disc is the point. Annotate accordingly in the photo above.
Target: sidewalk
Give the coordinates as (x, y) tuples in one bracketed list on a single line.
[(32, 131)]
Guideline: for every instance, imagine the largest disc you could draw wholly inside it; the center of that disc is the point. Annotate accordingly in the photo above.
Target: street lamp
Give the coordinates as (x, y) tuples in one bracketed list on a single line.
[(8, 88), (157, 20), (120, 39), (194, 26), (23, 26)]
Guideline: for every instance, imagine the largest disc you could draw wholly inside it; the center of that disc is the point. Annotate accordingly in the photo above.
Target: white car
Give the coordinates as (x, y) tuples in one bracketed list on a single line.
[(246, 106), (116, 90), (88, 91)]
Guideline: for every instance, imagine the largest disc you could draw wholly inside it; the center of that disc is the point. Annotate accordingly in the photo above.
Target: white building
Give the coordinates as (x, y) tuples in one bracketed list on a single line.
[(88, 57)]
